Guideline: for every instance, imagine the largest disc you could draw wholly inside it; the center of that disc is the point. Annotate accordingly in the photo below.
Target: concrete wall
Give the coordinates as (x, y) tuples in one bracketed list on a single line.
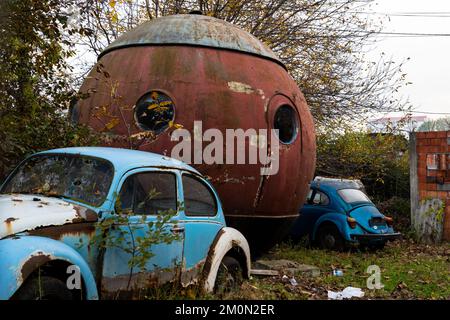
[(430, 185)]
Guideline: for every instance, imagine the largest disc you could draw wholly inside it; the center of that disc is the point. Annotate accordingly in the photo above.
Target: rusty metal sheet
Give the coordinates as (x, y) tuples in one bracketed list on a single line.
[(20, 213)]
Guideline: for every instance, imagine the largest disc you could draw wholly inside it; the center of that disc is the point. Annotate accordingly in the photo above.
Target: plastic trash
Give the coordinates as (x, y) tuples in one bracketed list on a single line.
[(286, 279), (293, 281), (338, 273), (347, 293)]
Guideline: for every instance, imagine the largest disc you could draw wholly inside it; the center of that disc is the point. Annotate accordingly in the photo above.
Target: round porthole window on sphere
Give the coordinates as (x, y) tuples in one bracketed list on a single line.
[(286, 122), (154, 111)]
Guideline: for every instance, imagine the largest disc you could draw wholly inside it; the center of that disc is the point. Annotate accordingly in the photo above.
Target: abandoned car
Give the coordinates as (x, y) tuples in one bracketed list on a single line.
[(338, 214), (93, 212)]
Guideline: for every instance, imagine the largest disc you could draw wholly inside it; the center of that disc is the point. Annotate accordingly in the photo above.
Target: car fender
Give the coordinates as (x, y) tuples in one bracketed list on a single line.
[(21, 256), (227, 239), (336, 218)]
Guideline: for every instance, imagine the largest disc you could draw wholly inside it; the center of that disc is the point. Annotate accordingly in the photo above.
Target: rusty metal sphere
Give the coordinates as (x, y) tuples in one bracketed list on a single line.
[(205, 69)]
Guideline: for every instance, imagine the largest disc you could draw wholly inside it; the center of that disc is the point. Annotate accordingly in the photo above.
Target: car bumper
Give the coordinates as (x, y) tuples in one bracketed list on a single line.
[(373, 237)]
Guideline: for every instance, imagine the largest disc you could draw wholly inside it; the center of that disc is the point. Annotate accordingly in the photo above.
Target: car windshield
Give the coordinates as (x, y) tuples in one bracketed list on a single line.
[(81, 178), (353, 195)]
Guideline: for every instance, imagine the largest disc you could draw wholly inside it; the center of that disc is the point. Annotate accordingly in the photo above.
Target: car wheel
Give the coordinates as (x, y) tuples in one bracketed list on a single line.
[(330, 238), (43, 288), (229, 275)]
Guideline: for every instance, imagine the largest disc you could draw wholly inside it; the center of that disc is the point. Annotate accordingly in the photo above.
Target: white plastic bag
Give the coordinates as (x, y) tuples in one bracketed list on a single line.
[(347, 293)]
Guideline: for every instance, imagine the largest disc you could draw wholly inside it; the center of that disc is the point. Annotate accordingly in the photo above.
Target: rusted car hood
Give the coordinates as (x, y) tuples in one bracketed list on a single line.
[(19, 213)]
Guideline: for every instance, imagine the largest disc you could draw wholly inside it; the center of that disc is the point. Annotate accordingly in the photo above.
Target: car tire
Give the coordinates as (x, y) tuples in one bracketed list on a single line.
[(43, 288), (229, 276), (330, 238)]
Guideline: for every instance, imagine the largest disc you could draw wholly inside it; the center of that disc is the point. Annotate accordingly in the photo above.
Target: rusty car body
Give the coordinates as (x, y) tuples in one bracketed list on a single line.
[(51, 204)]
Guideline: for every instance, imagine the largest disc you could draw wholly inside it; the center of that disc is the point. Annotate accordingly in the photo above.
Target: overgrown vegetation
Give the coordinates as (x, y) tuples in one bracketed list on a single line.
[(381, 161), (35, 89)]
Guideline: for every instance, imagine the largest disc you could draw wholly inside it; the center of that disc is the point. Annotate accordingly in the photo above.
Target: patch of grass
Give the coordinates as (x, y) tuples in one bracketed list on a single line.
[(408, 270)]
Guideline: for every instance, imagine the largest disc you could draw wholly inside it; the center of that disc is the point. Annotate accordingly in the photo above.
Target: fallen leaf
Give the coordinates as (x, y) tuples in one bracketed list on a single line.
[(111, 124)]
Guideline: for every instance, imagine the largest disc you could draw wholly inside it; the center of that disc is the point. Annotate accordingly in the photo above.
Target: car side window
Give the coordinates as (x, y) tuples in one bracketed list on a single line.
[(321, 199), (148, 193), (198, 198)]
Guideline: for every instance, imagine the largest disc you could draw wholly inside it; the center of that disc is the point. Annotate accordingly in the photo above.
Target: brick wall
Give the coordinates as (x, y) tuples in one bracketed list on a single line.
[(433, 172)]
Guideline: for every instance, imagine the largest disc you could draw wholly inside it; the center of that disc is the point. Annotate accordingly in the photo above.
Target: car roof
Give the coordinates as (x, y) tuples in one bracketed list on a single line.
[(126, 159)]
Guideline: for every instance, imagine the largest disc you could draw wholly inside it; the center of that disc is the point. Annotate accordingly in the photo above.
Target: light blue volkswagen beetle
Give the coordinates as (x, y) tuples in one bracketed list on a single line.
[(53, 202)]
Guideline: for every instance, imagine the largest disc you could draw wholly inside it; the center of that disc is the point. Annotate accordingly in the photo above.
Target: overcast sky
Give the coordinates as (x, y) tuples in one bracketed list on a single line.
[(429, 66)]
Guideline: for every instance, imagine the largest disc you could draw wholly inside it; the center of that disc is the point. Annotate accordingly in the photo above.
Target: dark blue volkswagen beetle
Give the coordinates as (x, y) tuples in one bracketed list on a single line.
[(338, 213)]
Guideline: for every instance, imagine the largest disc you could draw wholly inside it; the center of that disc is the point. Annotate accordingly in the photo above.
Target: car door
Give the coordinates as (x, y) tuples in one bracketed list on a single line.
[(317, 204), (143, 196), (203, 220)]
